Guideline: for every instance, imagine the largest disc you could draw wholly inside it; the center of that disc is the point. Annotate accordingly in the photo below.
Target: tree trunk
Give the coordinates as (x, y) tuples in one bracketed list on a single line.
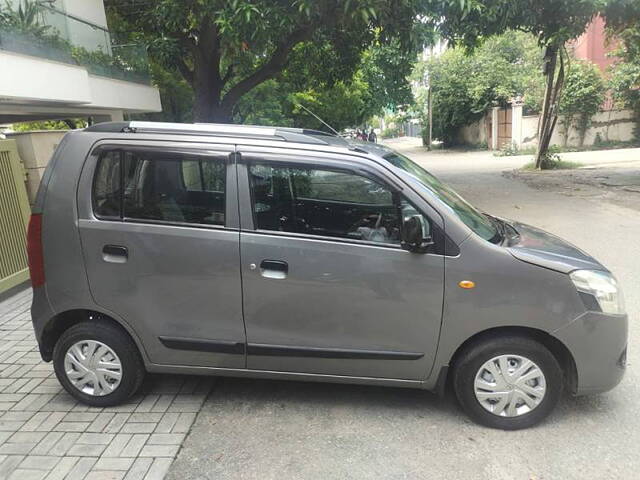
[(549, 114), (210, 106), (207, 108), (550, 59), (207, 87), (207, 81)]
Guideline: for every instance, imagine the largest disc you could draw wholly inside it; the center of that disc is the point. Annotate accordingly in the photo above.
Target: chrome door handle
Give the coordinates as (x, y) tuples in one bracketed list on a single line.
[(275, 269), (115, 254)]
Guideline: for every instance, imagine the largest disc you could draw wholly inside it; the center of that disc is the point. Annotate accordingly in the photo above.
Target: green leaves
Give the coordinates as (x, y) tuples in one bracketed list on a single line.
[(468, 22), (465, 84), (584, 89), (625, 73)]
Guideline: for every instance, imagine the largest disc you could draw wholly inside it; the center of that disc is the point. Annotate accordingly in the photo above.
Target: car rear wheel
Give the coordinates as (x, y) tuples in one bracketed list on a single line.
[(98, 364), (508, 382)]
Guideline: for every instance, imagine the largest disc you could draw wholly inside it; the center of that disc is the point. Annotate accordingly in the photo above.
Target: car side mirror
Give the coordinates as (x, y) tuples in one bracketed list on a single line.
[(416, 235)]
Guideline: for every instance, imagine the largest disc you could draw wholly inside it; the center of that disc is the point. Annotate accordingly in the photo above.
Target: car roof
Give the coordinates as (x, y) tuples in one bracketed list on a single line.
[(286, 134), (249, 135)]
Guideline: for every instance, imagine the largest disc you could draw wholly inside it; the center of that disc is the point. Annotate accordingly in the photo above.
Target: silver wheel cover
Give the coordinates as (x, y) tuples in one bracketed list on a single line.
[(509, 385), (93, 367)]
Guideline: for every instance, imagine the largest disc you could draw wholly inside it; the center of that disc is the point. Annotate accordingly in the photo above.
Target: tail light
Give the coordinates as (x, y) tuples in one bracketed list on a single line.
[(34, 250)]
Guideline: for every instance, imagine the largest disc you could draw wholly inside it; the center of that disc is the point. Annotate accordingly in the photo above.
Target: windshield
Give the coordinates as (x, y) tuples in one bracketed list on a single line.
[(476, 221)]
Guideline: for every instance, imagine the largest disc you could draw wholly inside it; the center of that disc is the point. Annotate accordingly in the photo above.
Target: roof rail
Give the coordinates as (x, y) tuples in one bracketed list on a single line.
[(285, 134)]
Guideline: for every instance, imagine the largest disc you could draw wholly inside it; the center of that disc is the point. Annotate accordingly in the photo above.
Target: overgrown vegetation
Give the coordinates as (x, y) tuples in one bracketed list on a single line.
[(69, 124), (510, 150), (27, 33), (582, 97), (553, 22), (553, 163), (466, 84), (624, 24)]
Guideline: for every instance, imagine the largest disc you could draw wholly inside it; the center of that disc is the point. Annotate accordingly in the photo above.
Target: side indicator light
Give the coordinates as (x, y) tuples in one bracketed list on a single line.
[(467, 284)]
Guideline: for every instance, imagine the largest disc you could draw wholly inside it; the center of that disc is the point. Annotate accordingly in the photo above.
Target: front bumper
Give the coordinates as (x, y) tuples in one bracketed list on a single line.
[(598, 343)]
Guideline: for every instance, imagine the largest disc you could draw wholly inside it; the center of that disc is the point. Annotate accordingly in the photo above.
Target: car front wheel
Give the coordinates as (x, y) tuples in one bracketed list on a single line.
[(508, 382)]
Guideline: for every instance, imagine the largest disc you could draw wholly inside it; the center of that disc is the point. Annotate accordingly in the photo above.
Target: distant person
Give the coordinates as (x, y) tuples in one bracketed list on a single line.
[(373, 138)]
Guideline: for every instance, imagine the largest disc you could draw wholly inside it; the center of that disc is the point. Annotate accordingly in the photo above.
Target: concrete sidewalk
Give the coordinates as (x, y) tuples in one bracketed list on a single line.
[(413, 146), (46, 434)]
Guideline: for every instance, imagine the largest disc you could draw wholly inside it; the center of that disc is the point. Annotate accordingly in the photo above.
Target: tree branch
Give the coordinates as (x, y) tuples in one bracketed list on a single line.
[(268, 70), (184, 70), (227, 75)]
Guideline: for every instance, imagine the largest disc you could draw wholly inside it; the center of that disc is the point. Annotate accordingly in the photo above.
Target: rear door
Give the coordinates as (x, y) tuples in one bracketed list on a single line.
[(326, 287), (160, 238)]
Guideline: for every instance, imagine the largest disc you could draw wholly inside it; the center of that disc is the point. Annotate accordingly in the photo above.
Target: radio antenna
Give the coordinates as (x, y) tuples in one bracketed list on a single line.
[(318, 118)]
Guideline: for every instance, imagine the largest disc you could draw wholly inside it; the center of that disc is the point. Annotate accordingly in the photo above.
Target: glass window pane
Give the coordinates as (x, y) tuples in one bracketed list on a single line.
[(191, 175), (170, 188), (324, 202), (106, 186), (340, 187), (213, 176)]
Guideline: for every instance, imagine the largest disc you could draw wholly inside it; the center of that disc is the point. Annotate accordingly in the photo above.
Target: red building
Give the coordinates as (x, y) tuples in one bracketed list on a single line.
[(593, 45)]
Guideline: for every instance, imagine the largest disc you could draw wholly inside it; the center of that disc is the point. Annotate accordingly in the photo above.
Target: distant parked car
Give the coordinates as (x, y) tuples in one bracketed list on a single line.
[(293, 254)]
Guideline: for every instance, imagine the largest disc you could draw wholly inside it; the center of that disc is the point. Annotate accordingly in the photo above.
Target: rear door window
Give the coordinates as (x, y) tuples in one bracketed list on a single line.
[(161, 187)]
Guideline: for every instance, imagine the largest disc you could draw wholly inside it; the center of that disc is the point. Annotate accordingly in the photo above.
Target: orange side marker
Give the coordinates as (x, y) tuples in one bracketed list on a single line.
[(467, 284)]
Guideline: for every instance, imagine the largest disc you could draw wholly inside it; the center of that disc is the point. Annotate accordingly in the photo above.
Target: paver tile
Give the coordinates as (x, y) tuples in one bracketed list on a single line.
[(45, 434)]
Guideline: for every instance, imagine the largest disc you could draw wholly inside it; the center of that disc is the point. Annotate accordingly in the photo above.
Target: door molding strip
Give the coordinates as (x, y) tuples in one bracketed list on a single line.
[(264, 349), (296, 351), (213, 346)]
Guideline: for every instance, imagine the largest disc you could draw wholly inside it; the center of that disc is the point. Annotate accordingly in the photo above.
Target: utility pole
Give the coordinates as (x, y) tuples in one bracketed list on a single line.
[(426, 81), (429, 117)]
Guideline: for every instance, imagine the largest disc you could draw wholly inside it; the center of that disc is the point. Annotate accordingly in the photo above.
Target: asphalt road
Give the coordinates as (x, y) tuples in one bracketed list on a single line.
[(289, 430)]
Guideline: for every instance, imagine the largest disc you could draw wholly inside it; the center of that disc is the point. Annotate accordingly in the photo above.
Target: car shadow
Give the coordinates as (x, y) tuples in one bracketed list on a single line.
[(228, 394), (321, 396)]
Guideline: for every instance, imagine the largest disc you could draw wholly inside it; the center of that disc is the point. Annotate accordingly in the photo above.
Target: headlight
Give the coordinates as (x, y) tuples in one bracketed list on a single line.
[(602, 287)]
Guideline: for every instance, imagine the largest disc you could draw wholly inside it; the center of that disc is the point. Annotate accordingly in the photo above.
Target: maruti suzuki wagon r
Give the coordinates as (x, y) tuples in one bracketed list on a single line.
[(293, 254)]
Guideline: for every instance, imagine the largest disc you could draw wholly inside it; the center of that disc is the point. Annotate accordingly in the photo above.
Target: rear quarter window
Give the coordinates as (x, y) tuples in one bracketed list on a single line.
[(106, 196)]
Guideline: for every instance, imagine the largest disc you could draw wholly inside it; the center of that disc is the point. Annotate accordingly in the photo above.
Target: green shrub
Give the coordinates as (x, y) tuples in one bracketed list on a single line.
[(466, 84), (582, 96)]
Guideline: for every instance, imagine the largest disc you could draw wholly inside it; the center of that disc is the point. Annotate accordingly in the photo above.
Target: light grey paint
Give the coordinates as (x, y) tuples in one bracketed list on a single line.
[(179, 281), (194, 282)]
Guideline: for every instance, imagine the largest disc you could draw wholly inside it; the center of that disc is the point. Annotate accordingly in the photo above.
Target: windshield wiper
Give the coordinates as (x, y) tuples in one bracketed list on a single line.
[(500, 229), (507, 231)]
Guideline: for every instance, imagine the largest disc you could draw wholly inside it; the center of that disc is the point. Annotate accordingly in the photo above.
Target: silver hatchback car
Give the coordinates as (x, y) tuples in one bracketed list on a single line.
[(293, 254)]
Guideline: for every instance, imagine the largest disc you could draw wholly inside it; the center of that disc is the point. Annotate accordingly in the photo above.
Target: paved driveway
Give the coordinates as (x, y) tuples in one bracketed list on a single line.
[(290, 430), (44, 433)]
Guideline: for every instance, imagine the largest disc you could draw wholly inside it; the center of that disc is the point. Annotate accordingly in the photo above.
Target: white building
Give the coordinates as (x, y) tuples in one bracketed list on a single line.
[(65, 66)]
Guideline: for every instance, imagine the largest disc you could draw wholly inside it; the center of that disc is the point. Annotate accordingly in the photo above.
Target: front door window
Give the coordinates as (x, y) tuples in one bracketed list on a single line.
[(326, 203)]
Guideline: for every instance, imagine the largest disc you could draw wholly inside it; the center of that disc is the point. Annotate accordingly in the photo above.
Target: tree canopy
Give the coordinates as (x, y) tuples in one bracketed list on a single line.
[(553, 22), (623, 18), (465, 84), (224, 49)]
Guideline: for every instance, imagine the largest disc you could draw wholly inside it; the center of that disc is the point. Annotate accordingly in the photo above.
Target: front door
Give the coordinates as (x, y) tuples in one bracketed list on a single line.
[(161, 246), (326, 287)]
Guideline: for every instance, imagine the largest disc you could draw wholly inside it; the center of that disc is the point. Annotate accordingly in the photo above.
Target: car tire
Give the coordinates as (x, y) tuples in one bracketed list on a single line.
[(474, 382), (112, 346)]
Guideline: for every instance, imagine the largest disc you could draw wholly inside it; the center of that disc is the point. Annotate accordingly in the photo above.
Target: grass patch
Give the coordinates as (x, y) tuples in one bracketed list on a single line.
[(555, 165), (512, 150)]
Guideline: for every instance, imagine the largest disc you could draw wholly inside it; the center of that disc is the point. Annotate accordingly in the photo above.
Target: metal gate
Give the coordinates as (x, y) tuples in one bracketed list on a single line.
[(14, 218), (504, 127)]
